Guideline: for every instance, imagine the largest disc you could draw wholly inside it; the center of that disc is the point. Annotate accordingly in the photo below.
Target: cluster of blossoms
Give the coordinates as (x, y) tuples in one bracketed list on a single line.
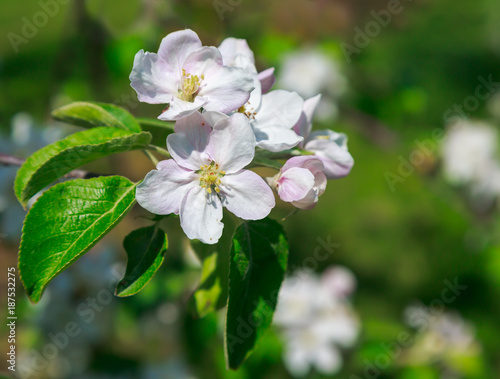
[(443, 338), (470, 158), (225, 114), (316, 318)]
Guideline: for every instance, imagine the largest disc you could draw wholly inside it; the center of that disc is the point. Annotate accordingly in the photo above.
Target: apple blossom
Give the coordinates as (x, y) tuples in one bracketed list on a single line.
[(328, 146), (236, 53), (272, 115), (186, 76), (314, 328), (300, 181), (206, 174)]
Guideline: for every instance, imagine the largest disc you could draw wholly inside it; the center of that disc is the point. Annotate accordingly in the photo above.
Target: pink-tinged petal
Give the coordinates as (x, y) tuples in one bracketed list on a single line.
[(176, 47), (203, 61), (232, 143), (331, 148), (178, 108), (275, 138), (279, 108), (189, 142), (163, 189), (201, 215), (227, 88), (152, 79), (313, 164), (304, 125), (309, 162), (230, 48), (247, 195), (267, 79), (294, 184), (307, 202)]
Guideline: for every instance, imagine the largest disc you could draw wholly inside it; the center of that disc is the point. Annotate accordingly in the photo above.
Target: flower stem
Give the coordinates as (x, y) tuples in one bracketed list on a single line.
[(151, 157), (159, 150)]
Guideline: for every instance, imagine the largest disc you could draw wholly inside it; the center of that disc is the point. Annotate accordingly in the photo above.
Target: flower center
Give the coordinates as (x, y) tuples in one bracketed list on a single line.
[(250, 115), (210, 176), (190, 86)]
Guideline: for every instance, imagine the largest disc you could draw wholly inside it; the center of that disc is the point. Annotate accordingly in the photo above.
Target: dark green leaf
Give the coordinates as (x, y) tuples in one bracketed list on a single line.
[(258, 263), (57, 159), (65, 222), (90, 115), (145, 249)]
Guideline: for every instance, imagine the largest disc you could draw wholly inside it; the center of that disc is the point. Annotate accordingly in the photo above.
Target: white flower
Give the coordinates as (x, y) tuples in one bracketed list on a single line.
[(300, 181), (328, 146), (308, 72), (186, 76), (470, 155), (316, 320), (272, 115), (205, 174), (444, 337), (236, 53)]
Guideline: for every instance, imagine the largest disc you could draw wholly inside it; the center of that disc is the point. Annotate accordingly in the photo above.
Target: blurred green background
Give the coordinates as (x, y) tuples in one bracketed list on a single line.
[(402, 243)]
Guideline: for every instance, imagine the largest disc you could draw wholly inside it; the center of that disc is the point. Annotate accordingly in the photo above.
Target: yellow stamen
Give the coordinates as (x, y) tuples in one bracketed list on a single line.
[(250, 115), (190, 86), (210, 177)]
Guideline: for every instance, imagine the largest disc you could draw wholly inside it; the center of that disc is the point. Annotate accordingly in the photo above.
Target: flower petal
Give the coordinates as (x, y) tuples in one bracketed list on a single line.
[(307, 202), (232, 47), (163, 189), (327, 359), (189, 142), (275, 138), (279, 108), (152, 79), (331, 148), (175, 48), (304, 125), (232, 143), (213, 117), (201, 215), (178, 108), (295, 183), (267, 79), (247, 195)]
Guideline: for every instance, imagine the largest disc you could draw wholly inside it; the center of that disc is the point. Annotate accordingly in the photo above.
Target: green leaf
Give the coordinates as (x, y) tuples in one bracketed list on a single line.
[(211, 294), (90, 115), (56, 160), (145, 249), (65, 222), (207, 297), (259, 258)]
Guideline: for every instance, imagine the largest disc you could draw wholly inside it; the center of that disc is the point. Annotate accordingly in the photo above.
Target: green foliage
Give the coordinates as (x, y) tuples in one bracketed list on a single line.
[(208, 296), (65, 222), (259, 258), (56, 160), (90, 115), (145, 249)]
